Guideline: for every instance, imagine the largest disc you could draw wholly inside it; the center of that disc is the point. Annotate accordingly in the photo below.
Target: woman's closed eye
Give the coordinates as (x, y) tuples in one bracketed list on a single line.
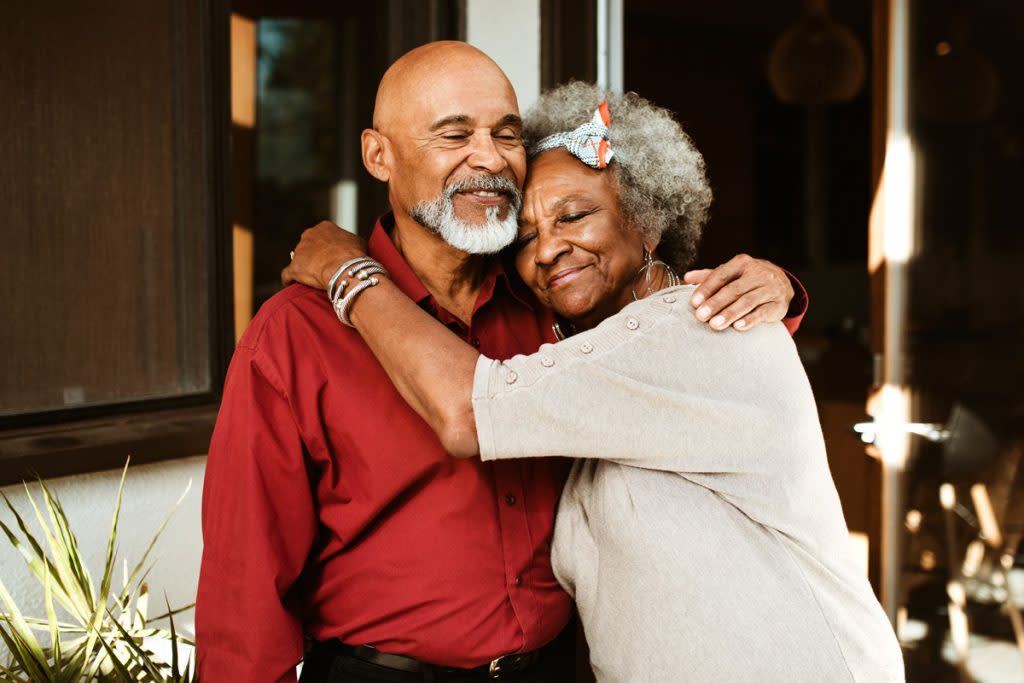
[(523, 240), (574, 216)]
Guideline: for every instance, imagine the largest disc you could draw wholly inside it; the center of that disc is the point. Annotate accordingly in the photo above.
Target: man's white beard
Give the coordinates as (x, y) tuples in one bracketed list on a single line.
[(489, 237)]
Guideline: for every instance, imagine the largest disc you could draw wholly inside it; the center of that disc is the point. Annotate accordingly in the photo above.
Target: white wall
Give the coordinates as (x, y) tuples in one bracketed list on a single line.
[(149, 494), (510, 33)]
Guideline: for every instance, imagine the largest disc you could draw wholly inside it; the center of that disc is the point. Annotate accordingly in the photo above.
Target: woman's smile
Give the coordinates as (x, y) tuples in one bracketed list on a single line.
[(564, 276)]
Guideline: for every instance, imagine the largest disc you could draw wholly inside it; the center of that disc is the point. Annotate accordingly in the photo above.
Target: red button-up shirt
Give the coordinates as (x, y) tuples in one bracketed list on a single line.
[(330, 508)]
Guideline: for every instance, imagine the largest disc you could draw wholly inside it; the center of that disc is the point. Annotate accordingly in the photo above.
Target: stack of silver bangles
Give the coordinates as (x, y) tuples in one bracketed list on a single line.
[(361, 269)]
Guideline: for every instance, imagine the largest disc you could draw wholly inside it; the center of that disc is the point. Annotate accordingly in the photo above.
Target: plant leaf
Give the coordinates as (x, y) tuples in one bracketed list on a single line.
[(69, 542), (122, 672), (62, 567), (179, 610), (21, 634), (156, 536), (35, 564), (30, 660), (38, 624), (109, 562), (143, 658), (174, 642), (141, 607), (51, 619)]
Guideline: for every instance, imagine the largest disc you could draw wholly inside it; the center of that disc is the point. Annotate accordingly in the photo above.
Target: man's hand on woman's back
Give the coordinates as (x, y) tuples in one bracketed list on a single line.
[(741, 293)]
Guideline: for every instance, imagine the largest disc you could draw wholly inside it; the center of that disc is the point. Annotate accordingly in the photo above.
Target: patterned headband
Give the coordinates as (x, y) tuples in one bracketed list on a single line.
[(588, 143)]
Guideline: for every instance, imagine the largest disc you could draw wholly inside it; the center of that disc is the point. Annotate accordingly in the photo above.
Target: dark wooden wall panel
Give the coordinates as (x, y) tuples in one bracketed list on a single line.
[(101, 179)]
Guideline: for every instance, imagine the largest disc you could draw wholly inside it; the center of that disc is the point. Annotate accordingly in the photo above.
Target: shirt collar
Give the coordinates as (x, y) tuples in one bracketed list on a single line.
[(382, 248)]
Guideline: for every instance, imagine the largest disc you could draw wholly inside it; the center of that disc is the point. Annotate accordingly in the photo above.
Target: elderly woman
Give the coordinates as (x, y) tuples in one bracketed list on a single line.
[(700, 532)]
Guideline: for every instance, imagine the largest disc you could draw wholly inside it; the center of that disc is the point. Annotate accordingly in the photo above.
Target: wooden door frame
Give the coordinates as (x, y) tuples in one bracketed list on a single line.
[(890, 246)]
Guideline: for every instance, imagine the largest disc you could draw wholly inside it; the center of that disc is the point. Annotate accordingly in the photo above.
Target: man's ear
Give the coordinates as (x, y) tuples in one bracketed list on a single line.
[(375, 155)]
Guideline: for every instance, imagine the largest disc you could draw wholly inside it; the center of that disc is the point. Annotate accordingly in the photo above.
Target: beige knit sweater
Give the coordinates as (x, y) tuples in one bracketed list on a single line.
[(700, 533)]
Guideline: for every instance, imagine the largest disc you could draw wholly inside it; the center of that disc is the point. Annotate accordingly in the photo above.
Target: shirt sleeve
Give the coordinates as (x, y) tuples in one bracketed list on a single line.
[(259, 524), (651, 387), (798, 306)]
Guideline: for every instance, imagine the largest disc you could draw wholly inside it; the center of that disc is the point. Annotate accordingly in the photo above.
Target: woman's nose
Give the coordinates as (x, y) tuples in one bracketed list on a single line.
[(550, 248)]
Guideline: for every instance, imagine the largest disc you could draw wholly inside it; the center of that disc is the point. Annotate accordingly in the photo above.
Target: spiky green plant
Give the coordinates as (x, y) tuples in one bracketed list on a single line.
[(103, 633)]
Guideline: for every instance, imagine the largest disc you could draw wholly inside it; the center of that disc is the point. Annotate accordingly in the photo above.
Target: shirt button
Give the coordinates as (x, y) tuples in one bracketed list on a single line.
[(632, 323), (586, 347), (510, 499), (511, 377), (547, 362), (670, 299), (475, 342), (519, 581)]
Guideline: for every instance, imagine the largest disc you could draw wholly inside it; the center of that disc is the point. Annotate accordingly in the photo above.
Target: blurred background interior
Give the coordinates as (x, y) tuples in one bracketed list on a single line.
[(161, 159)]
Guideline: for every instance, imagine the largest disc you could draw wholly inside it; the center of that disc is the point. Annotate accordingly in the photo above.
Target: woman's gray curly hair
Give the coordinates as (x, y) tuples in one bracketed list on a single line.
[(663, 188)]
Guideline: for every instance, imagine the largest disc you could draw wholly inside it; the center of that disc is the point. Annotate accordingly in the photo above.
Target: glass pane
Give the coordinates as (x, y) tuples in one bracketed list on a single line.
[(297, 138), (101, 199), (965, 337), (316, 81)]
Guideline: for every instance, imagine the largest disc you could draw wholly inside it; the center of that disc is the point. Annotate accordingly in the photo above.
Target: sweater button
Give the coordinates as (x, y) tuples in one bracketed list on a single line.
[(511, 377), (510, 499), (632, 323), (547, 362), (670, 299), (586, 347)]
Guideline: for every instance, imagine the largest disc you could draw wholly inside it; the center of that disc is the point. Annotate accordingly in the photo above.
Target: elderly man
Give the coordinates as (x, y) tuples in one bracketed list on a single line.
[(330, 510)]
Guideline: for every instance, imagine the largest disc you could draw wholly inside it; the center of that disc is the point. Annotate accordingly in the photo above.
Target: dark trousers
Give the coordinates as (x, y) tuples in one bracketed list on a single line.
[(324, 664)]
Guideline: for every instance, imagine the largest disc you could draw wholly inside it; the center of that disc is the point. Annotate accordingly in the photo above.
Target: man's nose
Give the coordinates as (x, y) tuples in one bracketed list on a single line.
[(485, 155)]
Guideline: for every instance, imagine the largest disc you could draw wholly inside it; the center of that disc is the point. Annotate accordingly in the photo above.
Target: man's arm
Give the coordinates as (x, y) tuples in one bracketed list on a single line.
[(746, 291), (259, 523)]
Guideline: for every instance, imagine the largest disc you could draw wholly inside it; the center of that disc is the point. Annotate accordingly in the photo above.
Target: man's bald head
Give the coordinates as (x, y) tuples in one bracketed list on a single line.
[(422, 78)]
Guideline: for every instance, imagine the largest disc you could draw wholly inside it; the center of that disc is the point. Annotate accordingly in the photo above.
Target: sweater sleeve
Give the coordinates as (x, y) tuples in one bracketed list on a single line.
[(651, 387)]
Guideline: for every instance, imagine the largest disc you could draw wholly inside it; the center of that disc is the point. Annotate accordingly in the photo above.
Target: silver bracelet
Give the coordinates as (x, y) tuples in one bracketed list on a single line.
[(341, 307), (370, 269), (331, 294)]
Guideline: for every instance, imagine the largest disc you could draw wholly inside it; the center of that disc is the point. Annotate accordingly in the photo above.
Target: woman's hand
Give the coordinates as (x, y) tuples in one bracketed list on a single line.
[(320, 251)]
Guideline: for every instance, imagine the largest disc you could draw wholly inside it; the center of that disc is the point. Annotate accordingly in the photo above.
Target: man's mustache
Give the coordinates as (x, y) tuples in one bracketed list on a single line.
[(486, 183)]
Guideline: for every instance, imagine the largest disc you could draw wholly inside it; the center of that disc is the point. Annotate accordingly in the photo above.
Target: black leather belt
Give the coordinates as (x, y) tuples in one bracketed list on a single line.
[(496, 669)]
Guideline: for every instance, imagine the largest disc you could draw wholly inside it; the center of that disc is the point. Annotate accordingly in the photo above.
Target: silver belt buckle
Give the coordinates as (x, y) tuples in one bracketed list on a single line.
[(495, 670)]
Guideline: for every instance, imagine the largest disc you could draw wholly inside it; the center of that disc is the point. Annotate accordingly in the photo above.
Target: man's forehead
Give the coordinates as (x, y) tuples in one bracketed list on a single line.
[(484, 98), (443, 79)]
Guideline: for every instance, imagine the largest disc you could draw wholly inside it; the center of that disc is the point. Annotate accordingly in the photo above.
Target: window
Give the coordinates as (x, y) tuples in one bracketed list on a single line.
[(112, 199), (131, 275), (305, 77)]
